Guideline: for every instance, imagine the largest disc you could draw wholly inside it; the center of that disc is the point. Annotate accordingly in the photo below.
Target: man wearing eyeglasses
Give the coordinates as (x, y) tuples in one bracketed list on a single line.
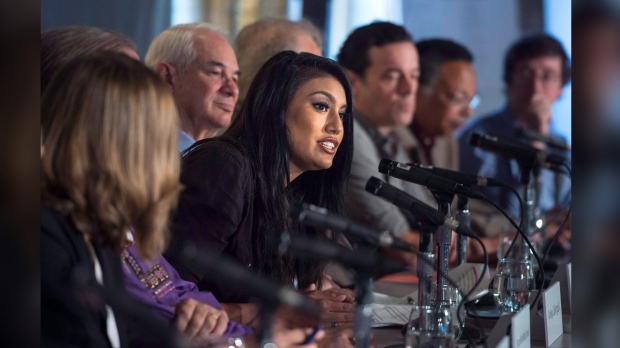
[(536, 68), (445, 101)]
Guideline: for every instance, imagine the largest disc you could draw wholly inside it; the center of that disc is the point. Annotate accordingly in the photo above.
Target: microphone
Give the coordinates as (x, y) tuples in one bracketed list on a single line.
[(322, 219), (418, 208), (534, 135), (418, 176), (234, 275), (361, 262), (524, 154), (459, 177)]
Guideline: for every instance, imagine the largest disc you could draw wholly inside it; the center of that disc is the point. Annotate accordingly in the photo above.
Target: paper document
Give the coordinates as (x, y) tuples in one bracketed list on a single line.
[(386, 315), (465, 276)]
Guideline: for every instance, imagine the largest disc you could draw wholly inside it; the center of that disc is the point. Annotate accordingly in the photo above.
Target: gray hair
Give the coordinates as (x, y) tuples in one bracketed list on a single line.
[(259, 41), (175, 45), (62, 44)]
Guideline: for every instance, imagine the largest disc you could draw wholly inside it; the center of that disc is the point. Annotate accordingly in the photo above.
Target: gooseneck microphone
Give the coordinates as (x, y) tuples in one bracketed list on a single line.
[(236, 276), (549, 140), (459, 177), (306, 247), (322, 219), (524, 154), (419, 209), (418, 176)]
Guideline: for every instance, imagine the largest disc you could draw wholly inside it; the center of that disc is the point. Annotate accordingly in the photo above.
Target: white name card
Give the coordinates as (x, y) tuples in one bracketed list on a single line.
[(551, 327), (520, 328), (563, 275)]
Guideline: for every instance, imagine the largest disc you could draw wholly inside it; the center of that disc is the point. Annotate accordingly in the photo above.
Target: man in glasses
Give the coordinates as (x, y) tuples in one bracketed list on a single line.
[(536, 68), (445, 101)]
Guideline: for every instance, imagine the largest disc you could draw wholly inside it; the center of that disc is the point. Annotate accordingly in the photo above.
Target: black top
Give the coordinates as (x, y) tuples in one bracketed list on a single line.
[(70, 316), (216, 211)]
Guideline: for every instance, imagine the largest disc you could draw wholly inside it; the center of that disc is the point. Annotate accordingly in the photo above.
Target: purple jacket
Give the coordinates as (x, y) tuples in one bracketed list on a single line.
[(160, 287)]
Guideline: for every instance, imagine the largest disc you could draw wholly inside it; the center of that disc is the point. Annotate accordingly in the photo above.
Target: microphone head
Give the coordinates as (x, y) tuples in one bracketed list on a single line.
[(474, 139), (386, 166), (374, 184)]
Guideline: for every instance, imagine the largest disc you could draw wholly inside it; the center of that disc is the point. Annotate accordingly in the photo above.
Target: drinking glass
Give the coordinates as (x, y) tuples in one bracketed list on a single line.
[(449, 296), (430, 326), (224, 342), (512, 284)]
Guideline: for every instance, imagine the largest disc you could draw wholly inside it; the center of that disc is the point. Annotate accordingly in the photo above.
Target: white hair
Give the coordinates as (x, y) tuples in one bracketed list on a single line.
[(175, 45)]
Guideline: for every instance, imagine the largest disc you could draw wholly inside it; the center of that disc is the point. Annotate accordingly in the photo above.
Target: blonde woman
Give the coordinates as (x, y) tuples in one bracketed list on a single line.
[(111, 163)]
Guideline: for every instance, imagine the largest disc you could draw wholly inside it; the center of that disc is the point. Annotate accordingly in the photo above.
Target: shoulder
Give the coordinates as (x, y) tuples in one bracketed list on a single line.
[(55, 224), (216, 150), (363, 145)]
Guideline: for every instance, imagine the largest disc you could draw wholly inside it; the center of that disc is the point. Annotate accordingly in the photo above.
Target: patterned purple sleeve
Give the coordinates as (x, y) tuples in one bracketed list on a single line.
[(160, 287)]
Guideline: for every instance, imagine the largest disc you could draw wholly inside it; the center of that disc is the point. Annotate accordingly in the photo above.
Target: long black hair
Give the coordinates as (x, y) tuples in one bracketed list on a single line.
[(260, 132)]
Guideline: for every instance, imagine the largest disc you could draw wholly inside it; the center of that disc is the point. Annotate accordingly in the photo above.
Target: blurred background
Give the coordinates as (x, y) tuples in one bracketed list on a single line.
[(486, 27)]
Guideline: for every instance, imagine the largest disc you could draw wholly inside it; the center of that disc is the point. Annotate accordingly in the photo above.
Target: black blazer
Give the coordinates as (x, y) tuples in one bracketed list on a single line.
[(70, 316)]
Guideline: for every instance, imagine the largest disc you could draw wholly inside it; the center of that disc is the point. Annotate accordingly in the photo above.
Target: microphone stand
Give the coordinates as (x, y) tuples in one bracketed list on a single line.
[(425, 269), (364, 287), (267, 312), (444, 239), (464, 218), (529, 175)]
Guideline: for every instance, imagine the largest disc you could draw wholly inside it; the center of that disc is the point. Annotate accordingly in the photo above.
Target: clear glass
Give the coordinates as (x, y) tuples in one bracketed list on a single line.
[(450, 297), (430, 326), (224, 342), (512, 284), (504, 246)]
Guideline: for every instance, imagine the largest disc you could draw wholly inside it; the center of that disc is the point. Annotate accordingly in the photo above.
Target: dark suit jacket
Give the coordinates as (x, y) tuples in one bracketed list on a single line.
[(70, 316), (216, 210)]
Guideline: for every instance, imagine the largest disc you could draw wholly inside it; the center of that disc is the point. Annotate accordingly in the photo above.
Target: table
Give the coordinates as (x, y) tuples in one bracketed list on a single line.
[(388, 336)]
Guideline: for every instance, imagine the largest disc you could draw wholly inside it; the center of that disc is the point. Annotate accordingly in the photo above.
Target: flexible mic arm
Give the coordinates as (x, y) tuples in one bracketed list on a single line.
[(433, 182), (365, 264), (459, 177), (534, 135), (322, 219), (233, 274), (419, 209), (527, 156), (228, 272)]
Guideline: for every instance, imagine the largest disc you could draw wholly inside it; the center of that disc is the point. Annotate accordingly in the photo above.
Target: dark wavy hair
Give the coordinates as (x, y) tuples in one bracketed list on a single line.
[(435, 52), (535, 46), (260, 133), (354, 51)]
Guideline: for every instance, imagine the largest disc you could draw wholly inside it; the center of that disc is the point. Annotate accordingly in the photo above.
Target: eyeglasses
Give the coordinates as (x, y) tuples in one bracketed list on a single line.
[(461, 100), (545, 76)]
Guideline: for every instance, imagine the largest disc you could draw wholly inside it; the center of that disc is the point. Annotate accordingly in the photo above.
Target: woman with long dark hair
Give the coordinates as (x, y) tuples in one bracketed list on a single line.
[(292, 141)]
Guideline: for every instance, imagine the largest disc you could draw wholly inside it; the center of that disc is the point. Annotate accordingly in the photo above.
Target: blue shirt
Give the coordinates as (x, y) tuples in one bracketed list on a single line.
[(185, 141), (554, 189)]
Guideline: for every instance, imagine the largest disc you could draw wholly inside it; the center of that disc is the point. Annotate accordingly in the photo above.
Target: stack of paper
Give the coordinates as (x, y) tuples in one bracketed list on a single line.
[(391, 310)]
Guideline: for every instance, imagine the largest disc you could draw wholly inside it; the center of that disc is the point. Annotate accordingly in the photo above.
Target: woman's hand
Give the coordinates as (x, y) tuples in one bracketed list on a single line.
[(199, 320), (337, 304)]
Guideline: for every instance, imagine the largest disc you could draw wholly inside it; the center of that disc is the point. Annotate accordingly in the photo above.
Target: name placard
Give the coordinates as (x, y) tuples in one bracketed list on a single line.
[(563, 275), (520, 329), (547, 324)]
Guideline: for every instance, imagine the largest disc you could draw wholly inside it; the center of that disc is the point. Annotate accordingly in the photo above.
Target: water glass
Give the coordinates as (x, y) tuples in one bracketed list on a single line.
[(430, 326), (224, 342), (449, 296), (512, 284)]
